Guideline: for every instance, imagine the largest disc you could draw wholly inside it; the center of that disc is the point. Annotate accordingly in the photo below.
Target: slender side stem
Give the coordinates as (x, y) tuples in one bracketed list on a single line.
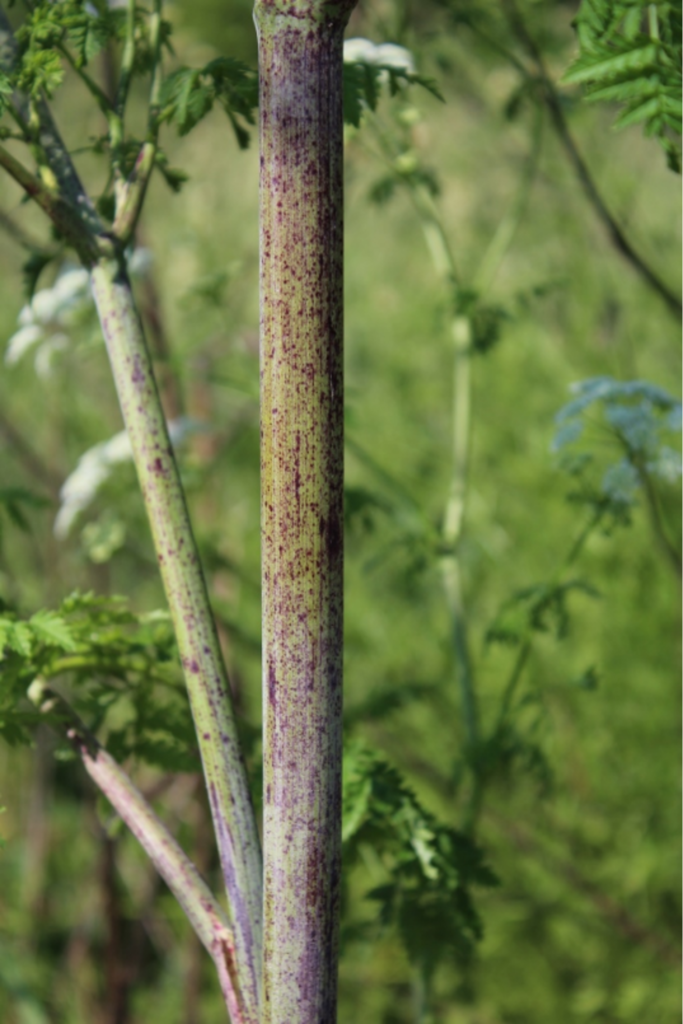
[(60, 211), (461, 329), (100, 97), (48, 138), (526, 639), (554, 105), (22, 237), (507, 228), (654, 505), (131, 194), (127, 59), (453, 523), (194, 627), (613, 913), (20, 447), (203, 911), (300, 59)]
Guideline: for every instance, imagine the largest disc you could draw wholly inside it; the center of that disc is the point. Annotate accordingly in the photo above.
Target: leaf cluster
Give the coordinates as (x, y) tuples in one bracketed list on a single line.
[(630, 54), (363, 83), (188, 94), (120, 671), (541, 608), (431, 867)]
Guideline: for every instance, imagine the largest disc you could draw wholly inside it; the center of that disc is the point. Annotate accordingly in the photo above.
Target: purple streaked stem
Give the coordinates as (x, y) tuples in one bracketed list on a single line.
[(300, 70), (200, 653)]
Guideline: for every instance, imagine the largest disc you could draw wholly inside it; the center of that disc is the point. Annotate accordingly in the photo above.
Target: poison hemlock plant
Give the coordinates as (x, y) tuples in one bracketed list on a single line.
[(275, 950)]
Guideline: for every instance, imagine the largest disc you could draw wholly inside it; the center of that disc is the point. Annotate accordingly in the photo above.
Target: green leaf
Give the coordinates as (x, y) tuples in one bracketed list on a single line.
[(173, 176), (631, 54), (51, 628), (16, 636), (6, 90), (88, 34), (611, 64), (32, 269), (362, 84), (431, 867), (190, 93)]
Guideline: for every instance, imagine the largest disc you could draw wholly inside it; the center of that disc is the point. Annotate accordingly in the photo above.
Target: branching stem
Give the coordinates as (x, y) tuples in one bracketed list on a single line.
[(203, 911)]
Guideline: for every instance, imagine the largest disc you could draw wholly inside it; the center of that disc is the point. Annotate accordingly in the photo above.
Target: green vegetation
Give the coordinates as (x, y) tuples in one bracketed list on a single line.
[(512, 577)]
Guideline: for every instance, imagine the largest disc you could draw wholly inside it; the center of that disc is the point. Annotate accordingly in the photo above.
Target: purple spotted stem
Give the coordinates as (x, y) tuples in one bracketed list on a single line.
[(300, 68), (226, 780)]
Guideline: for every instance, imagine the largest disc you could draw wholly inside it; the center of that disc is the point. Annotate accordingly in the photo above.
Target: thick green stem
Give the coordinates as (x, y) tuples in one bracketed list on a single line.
[(300, 58), (194, 627)]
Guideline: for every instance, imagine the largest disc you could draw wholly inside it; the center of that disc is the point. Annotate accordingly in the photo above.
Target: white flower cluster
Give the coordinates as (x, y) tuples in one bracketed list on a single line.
[(362, 51), (44, 322), (95, 467)]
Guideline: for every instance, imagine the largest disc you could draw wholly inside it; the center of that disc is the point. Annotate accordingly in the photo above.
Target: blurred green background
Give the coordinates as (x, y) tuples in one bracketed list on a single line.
[(582, 823)]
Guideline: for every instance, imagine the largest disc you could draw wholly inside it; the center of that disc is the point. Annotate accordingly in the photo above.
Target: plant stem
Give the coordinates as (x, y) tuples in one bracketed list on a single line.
[(654, 506), (453, 523), (554, 105), (461, 332), (48, 138), (127, 59), (62, 214), (203, 911), (526, 640), (300, 60), (200, 653)]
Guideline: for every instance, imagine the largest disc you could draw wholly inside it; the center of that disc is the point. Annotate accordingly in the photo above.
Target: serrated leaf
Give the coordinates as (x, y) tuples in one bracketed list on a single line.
[(19, 638), (51, 628), (88, 35), (612, 64), (362, 83)]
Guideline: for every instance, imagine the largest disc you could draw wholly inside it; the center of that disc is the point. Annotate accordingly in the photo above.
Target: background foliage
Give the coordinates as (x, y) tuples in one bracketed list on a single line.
[(579, 809)]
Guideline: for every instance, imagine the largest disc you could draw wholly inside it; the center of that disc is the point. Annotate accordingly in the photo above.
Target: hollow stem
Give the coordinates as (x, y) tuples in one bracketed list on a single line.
[(192, 619), (300, 59)]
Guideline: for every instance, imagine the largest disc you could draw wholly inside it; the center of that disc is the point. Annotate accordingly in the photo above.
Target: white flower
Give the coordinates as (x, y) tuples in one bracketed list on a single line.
[(393, 56), (46, 351), (72, 287), (20, 343), (139, 262), (362, 51), (50, 307), (94, 467), (45, 305)]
